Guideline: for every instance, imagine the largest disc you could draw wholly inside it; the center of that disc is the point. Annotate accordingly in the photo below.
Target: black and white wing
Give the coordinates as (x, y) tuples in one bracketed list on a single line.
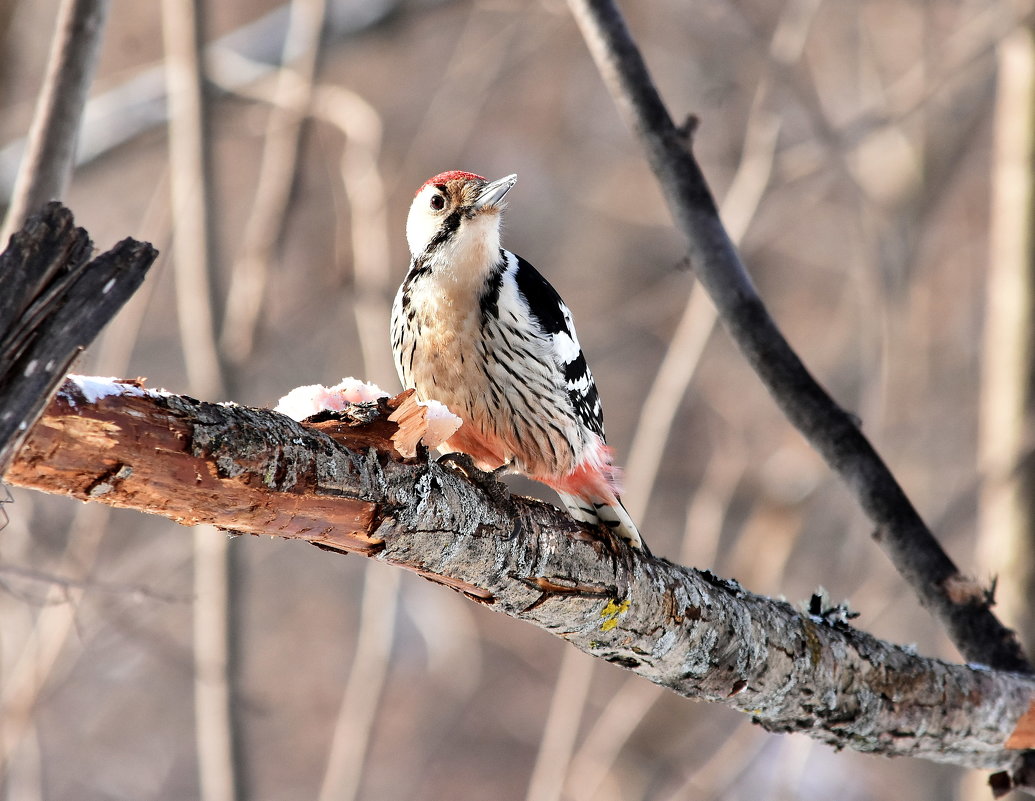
[(555, 319)]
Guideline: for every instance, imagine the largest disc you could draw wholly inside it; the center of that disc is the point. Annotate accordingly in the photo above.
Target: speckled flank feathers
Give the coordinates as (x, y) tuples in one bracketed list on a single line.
[(478, 328)]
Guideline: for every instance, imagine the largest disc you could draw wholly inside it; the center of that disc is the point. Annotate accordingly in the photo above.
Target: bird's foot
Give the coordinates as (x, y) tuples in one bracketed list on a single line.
[(487, 480)]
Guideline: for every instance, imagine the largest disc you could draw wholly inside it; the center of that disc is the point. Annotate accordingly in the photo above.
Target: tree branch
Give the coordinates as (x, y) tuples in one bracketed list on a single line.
[(54, 301), (50, 149), (340, 485), (961, 606)]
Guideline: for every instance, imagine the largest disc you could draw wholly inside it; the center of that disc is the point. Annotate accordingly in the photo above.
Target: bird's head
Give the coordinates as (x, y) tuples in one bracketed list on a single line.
[(457, 211)]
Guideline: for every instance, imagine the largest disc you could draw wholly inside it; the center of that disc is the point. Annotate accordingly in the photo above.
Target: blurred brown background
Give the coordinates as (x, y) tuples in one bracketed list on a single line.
[(851, 146)]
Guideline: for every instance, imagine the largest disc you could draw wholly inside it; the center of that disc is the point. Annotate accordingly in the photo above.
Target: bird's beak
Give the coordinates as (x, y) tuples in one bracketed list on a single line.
[(493, 193)]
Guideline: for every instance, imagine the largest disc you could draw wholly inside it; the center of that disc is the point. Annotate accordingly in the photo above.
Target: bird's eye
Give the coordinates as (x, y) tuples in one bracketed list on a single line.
[(438, 202)]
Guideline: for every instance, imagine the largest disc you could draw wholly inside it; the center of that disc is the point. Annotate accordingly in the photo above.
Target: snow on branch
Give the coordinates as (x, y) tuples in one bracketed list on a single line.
[(339, 481)]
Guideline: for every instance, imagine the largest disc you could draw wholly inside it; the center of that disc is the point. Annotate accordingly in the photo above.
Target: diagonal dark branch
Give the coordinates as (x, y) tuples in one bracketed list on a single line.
[(50, 150), (54, 302), (340, 485), (962, 608)]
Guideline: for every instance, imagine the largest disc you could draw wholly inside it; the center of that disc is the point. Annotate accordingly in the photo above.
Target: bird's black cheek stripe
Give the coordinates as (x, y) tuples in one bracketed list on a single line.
[(418, 267), (444, 234)]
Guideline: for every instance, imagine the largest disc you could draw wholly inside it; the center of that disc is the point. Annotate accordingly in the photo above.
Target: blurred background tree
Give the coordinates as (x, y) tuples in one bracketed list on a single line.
[(851, 147)]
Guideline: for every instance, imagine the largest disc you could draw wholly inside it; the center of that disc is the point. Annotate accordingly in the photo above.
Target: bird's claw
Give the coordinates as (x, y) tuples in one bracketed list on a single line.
[(486, 480)]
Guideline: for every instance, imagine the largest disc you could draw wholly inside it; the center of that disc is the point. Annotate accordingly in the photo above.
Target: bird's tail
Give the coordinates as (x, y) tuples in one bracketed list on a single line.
[(609, 513), (590, 493)]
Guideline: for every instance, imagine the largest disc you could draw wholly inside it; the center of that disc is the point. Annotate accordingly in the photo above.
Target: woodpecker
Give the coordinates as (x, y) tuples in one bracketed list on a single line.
[(479, 329)]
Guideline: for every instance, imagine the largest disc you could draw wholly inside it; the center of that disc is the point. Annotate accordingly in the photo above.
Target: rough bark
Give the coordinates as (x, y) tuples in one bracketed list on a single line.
[(339, 484), (54, 301)]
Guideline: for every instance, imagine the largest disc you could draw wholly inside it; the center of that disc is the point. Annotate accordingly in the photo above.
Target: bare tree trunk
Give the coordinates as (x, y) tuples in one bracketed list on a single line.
[(189, 166), (1007, 523)]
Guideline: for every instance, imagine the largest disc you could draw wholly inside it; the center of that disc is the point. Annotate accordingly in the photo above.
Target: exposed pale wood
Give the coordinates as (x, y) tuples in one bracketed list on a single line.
[(132, 453), (1024, 732)]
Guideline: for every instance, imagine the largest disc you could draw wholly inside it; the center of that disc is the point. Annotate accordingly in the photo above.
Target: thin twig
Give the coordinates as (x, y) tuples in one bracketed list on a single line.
[(361, 176), (25, 681), (834, 433), (290, 105), (721, 769), (346, 757), (188, 183), (913, 91), (50, 151), (1007, 389), (557, 742), (138, 103), (453, 111), (662, 402), (593, 762), (213, 698), (65, 583), (23, 779)]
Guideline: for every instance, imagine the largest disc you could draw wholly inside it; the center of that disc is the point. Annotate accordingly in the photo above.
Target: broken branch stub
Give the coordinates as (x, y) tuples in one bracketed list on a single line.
[(55, 302)]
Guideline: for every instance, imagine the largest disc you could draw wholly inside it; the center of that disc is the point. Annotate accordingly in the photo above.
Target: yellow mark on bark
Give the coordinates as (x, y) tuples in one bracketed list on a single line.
[(611, 612)]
